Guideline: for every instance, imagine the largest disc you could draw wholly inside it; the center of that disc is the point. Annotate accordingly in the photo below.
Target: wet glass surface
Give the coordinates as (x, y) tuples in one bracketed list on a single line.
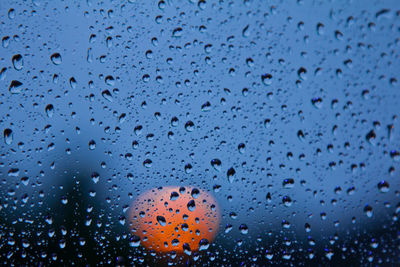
[(226, 133)]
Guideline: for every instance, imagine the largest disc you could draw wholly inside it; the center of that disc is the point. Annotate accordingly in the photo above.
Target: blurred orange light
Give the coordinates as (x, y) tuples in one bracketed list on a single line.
[(180, 219)]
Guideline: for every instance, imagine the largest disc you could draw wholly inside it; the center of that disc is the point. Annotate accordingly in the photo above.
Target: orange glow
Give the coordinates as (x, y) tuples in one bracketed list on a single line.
[(166, 220)]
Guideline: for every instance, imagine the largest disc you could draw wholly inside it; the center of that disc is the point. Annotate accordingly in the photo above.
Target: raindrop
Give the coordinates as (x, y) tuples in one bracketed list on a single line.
[(49, 110), (189, 126), (177, 32), (174, 196), (241, 148), (95, 177), (11, 13), (287, 201), (216, 164), (134, 241), (56, 59), (92, 144), (301, 72), (230, 174), (72, 82), (147, 163), (370, 137), (288, 183), (186, 249), (191, 205), (204, 244), (195, 193), (266, 79), (317, 102), (368, 211), (8, 136), (246, 31), (107, 95), (109, 80), (243, 229), (18, 62), (161, 220), (14, 87), (383, 186)]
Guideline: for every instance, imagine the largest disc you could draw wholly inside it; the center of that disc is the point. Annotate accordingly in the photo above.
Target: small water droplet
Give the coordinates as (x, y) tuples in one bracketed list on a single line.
[(246, 31), (15, 87), (189, 126), (56, 59), (8, 136), (18, 62), (92, 144), (161, 220), (216, 164), (191, 205), (204, 244), (195, 193), (231, 174), (243, 229), (177, 32), (49, 110), (266, 79), (383, 186), (368, 211)]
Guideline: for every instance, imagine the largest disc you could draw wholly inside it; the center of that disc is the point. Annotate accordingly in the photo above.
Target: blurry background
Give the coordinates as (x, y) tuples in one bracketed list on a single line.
[(286, 112)]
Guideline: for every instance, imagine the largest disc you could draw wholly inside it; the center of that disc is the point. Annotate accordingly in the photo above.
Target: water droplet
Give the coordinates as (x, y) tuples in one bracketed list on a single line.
[(231, 174), (241, 148), (228, 228), (49, 110), (177, 32), (191, 205), (189, 126), (204, 244), (174, 196), (11, 13), (109, 80), (8, 136), (174, 121), (216, 164), (56, 59), (72, 82), (288, 183), (317, 102), (95, 177), (243, 229), (368, 211), (147, 163), (246, 31), (15, 87), (92, 144), (287, 201), (383, 186), (18, 62), (107, 95), (161, 220), (370, 137), (195, 193), (266, 79)]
